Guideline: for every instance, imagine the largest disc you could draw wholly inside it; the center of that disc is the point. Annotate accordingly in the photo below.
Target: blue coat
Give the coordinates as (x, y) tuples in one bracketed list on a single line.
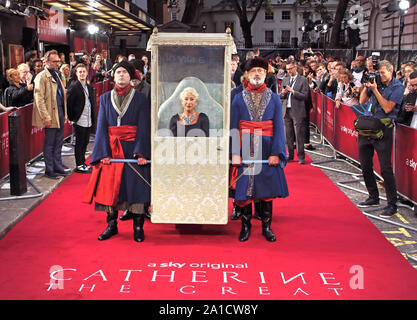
[(270, 182), (132, 189)]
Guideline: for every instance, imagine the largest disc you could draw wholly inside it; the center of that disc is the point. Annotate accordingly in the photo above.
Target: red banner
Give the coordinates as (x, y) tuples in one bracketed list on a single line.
[(313, 111), (33, 137), (4, 144), (346, 137), (81, 44), (329, 115), (406, 161), (339, 131), (54, 28)]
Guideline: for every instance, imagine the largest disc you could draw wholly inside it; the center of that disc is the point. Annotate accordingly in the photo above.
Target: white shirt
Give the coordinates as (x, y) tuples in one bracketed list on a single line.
[(358, 75), (289, 95), (85, 118)]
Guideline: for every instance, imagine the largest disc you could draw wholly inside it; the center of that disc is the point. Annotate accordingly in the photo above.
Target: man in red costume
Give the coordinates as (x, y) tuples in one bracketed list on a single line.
[(256, 113), (122, 132)]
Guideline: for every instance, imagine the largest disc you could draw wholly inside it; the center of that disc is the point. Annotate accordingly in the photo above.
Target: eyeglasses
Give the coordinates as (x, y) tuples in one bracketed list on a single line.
[(55, 61)]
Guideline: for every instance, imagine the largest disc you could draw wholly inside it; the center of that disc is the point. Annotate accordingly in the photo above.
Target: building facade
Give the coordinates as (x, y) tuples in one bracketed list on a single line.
[(381, 32), (281, 26)]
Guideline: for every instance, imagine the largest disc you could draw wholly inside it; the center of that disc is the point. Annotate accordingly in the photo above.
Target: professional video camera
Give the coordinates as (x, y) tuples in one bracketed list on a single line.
[(79, 57), (371, 76)]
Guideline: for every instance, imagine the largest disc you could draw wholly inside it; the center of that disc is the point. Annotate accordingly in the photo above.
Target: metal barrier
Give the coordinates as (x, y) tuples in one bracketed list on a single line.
[(33, 138), (328, 120), (338, 131)]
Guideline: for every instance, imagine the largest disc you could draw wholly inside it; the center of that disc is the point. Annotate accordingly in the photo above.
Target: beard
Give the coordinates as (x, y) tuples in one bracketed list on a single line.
[(257, 81)]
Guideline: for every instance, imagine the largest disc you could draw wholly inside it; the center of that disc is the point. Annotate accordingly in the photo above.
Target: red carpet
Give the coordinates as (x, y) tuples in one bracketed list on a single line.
[(325, 249)]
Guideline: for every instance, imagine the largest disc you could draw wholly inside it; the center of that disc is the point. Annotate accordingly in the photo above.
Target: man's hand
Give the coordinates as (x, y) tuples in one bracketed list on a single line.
[(399, 74), (289, 89), (371, 85), (105, 160), (141, 161), (337, 104), (236, 160), (410, 107), (48, 123), (273, 161)]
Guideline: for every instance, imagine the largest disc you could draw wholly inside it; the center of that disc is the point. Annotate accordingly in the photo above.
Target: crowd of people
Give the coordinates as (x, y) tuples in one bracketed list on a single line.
[(17, 88), (369, 86), (343, 82)]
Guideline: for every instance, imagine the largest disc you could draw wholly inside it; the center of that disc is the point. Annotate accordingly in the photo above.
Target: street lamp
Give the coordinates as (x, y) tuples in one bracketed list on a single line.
[(400, 34), (404, 5), (92, 29)]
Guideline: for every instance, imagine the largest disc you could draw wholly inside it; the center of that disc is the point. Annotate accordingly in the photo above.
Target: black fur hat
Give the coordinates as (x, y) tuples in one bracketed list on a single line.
[(128, 66), (257, 62)]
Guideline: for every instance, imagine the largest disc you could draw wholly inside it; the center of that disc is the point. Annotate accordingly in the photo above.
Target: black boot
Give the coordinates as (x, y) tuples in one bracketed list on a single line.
[(111, 229), (236, 212), (246, 215), (258, 210), (138, 234), (127, 215), (266, 217)]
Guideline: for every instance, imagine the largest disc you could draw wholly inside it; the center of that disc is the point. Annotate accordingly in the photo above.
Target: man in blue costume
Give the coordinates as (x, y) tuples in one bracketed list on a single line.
[(256, 114), (122, 132)]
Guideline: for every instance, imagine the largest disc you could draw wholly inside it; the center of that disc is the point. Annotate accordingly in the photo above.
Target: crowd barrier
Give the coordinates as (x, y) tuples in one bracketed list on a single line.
[(33, 137), (336, 127)]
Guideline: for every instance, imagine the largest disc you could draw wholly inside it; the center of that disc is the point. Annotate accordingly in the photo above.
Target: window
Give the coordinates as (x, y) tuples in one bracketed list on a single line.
[(286, 15), (269, 15), (269, 36), (285, 36)]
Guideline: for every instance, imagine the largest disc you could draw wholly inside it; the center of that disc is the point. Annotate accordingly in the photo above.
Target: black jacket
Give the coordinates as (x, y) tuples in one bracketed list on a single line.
[(236, 77), (76, 101), (17, 97), (405, 117), (271, 82)]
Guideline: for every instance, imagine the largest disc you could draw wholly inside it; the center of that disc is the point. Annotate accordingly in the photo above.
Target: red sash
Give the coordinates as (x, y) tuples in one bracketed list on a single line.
[(105, 180), (263, 128)]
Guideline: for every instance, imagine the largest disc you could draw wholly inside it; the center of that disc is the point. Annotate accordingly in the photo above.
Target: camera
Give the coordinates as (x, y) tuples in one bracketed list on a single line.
[(373, 76), (79, 57), (351, 91)]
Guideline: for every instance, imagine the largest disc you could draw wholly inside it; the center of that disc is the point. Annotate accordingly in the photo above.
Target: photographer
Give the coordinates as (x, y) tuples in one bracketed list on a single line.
[(322, 78), (358, 68), (347, 91), (331, 88), (385, 100)]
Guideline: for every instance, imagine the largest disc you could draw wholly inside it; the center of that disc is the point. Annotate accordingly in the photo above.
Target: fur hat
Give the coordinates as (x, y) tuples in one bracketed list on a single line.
[(257, 62), (139, 64), (128, 66)]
